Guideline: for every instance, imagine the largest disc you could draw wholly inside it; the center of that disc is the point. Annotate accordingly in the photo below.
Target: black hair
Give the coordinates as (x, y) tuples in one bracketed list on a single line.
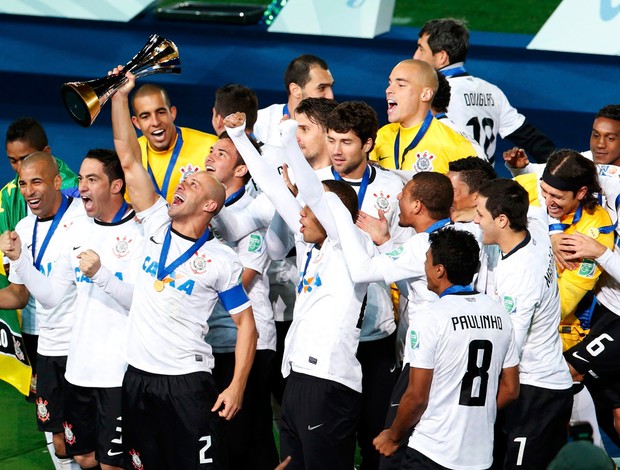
[(506, 196), (28, 130), (356, 116), (232, 98), (298, 70), (458, 252), (435, 192), (345, 192), (447, 34), (111, 164), (316, 110)]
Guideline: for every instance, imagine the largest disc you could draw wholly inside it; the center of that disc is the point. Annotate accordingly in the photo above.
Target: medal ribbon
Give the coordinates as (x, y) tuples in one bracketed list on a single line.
[(437, 225), (64, 204), (121, 212), (171, 164), (455, 289), (235, 196), (285, 111), (453, 72), (363, 185), (416, 140), (162, 269)]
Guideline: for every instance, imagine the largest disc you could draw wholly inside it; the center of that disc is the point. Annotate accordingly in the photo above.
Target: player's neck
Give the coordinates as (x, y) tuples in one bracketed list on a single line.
[(319, 161), (191, 227), (356, 173), (233, 186), (510, 240), (111, 210), (415, 119)]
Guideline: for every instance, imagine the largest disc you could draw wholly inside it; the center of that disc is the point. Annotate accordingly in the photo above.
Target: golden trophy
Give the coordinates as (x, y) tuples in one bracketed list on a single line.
[(84, 100)]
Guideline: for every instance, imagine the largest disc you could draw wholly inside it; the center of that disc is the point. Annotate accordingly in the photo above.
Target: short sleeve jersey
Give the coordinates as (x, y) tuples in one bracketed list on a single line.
[(167, 329), (467, 339), (481, 109), (526, 284), (196, 147), (439, 146)]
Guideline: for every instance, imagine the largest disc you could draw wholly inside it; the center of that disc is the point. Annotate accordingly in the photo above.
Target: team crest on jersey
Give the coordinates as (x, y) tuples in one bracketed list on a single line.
[(423, 162), (256, 243), (199, 264), (414, 339), (510, 304), (382, 202), (42, 412), (587, 268), (395, 254), (69, 436), (187, 170), (135, 459), (122, 247), (19, 354), (311, 283)]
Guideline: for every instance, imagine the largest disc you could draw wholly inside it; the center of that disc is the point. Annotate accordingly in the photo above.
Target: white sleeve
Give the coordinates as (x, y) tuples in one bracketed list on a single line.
[(610, 262), (120, 291), (310, 187), (234, 225), (48, 291), (279, 239), (267, 177), (404, 262)]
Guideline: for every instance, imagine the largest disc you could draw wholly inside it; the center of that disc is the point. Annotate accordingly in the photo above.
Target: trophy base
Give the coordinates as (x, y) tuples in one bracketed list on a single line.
[(81, 101)]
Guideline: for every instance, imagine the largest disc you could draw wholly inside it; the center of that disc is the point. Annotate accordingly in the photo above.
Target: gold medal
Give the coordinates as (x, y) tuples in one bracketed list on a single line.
[(159, 285), (593, 232)]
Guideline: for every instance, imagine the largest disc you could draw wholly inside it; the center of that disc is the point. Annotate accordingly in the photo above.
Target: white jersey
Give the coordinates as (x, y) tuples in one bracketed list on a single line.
[(526, 284), (96, 354), (98, 330), (222, 335), (466, 339), (381, 193), (481, 109), (323, 338), (167, 328), (266, 126), (55, 323)]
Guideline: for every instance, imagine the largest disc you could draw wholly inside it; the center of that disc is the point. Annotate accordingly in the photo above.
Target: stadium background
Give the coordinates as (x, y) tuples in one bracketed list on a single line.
[(558, 92)]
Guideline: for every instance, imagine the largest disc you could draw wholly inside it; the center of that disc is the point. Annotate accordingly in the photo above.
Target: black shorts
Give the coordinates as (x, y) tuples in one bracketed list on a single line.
[(395, 461), (419, 461), (93, 422), (51, 390), (168, 421), (318, 424), (536, 425), (598, 355)]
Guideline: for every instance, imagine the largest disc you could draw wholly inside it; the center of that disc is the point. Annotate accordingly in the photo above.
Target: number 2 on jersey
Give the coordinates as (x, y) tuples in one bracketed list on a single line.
[(476, 379), (484, 138)]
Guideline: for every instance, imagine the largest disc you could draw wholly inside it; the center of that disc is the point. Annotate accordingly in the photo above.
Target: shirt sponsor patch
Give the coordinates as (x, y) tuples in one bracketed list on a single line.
[(587, 268), (414, 339), (510, 304), (256, 241), (394, 254)]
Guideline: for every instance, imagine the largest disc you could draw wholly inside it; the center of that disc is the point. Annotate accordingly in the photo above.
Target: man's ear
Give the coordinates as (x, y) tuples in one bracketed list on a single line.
[(368, 145), (581, 193), (173, 112), (503, 221), (210, 206), (240, 171), (57, 182), (440, 270), (427, 95), (134, 120), (295, 91), (116, 186)]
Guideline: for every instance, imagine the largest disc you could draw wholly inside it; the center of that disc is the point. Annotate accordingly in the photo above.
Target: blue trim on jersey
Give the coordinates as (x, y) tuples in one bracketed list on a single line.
[(233, 297)]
